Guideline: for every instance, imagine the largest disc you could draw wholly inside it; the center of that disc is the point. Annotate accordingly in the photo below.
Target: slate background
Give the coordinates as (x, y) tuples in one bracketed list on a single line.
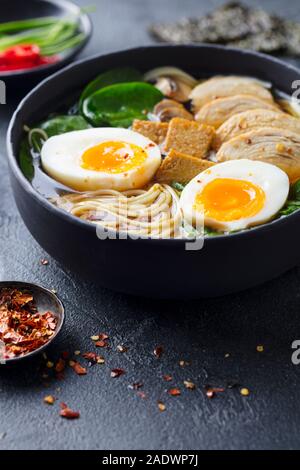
[(113, 416)]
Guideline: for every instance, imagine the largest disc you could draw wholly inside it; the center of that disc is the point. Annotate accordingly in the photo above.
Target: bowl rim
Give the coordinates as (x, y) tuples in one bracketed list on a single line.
[(65, 216), (50, 293), (87, 28)]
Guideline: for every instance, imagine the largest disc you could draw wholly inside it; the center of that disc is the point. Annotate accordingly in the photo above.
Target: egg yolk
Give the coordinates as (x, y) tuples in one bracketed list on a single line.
[(227, 199), (113, 157)]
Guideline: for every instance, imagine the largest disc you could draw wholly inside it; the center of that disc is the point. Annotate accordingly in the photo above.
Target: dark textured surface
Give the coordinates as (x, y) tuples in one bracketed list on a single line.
[(113, 416)]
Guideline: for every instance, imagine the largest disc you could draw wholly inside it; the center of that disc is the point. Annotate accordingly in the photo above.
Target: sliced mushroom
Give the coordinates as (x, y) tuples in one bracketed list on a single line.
[(280, 147), (166, 110), (222, 87), (172, 82)]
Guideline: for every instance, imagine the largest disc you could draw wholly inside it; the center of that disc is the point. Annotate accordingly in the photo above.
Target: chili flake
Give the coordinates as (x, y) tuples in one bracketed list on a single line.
[(94, 338), (117, 373), (174, 392), (161, 406), (93, 358), (121, 348), (211, 391), (136, 385), (78, 368), (22, 328), (158, 351), (101, 344), (60, 365), (67, 413), (49, 399), (44, 262), (189, 385), (184, 363), (168, 378)]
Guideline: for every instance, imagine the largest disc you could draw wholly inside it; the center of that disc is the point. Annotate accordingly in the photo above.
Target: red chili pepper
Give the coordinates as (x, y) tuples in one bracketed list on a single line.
[(24, 56)]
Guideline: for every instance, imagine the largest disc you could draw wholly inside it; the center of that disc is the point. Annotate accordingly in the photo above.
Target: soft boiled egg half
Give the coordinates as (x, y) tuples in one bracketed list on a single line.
[(101, 158), (235, 195)]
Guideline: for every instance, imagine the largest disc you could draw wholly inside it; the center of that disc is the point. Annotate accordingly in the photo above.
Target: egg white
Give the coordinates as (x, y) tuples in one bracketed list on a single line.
[(270, 178), (61, 159)]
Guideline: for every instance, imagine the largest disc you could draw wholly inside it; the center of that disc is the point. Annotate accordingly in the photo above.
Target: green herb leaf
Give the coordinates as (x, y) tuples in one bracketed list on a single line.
[(25, 159), (62, 124), (178, 186), (295, 191), (118, 105), (111, 77)]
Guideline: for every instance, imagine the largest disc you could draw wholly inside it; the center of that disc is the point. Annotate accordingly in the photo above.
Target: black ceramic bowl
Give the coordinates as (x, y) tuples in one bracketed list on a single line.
[(14, 10), (156, 268)]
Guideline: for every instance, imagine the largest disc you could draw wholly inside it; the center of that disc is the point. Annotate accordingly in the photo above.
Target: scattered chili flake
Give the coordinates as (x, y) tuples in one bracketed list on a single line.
[(65, 355), (168, 378), (136, 385), (49, 399), (101, 344), (60, 365), (93, 358), (44, 262), (189, 385), (122, 349), (174, 392), (161, 406), (67, 413), (260, 348), (78, 368), (211, 391), (22, 328), (184, 363), (245, 392), (116, 372), (158, 351), (103, 336)]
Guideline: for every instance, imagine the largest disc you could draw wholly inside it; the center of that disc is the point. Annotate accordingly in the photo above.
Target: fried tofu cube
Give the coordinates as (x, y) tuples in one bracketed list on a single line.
[(155, 131), (189, 137), (180, 167)]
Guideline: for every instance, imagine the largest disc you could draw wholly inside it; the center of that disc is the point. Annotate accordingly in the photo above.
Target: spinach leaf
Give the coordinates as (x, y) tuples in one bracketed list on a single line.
[(118, 105), (62, 124), (111, 77), (293, 204), (25, 160), (295, 191)]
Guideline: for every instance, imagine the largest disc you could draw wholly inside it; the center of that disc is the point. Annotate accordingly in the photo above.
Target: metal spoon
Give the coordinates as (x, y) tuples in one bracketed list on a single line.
[(45, 301)]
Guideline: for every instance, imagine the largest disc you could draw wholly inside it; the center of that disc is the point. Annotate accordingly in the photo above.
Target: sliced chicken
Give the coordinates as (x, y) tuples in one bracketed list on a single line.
[(221, 87), (216, 112), (280, 147), (251, 120)]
